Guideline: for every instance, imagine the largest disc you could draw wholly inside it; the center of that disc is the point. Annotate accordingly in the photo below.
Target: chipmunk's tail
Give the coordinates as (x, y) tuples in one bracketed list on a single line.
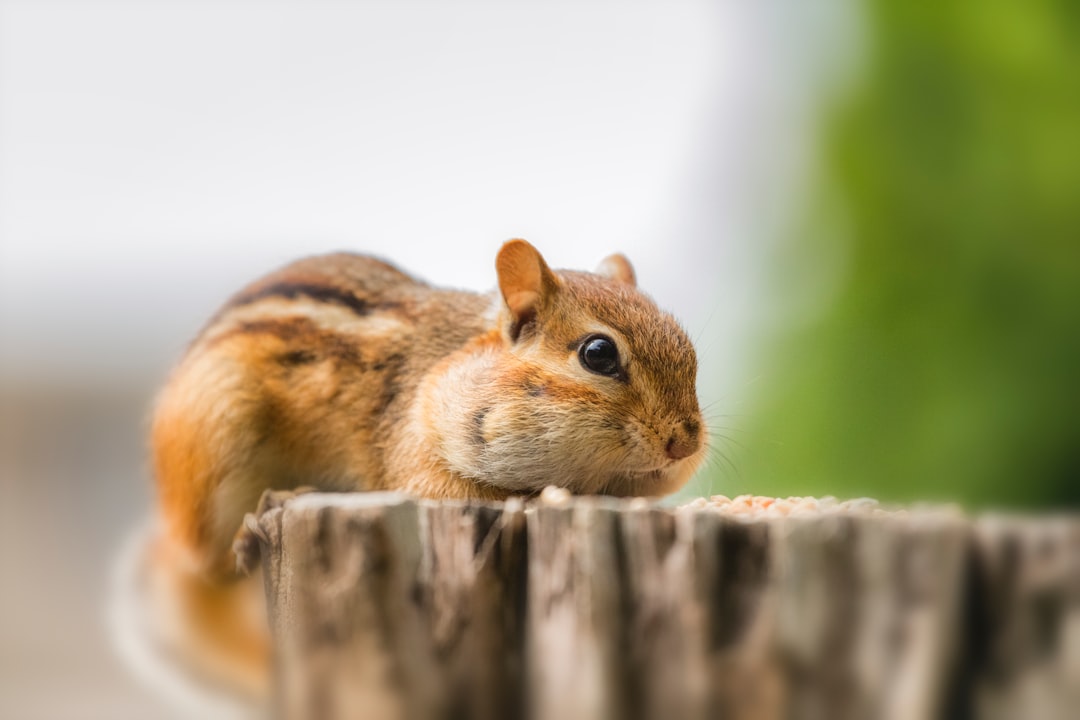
[(202, 648)]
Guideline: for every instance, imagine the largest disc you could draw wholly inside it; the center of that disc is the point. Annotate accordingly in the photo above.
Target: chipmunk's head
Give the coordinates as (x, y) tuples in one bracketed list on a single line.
[(591, 387)]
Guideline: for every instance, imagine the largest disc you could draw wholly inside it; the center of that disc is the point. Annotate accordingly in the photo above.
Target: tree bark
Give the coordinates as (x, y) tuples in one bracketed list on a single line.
[(382, 606)]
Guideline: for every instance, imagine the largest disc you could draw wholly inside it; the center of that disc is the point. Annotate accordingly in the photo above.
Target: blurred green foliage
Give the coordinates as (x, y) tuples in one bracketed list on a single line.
[(945, 362)]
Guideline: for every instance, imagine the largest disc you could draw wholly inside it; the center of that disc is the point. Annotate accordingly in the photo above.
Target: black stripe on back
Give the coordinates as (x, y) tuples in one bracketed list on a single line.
[(312, 291)]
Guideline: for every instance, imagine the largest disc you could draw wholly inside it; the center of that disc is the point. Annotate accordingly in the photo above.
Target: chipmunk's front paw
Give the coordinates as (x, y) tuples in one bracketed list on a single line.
[(246, 544)]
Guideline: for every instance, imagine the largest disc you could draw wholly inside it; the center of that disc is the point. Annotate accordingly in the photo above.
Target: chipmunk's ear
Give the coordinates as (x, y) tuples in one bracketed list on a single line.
[(525, 282), (618, 268)]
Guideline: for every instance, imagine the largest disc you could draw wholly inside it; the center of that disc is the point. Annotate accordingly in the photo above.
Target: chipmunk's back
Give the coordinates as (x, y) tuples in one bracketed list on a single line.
[(291, 383)]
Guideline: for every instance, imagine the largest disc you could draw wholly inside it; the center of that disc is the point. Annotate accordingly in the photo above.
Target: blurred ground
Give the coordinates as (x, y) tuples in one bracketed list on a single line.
[(73, 485)]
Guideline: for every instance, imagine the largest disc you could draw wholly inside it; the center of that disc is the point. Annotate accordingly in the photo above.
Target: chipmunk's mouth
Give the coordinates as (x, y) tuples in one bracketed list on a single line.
[(657, 471)]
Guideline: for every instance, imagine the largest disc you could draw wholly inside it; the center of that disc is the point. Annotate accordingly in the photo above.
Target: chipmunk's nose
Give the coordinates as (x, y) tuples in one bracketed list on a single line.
[(685, 440)]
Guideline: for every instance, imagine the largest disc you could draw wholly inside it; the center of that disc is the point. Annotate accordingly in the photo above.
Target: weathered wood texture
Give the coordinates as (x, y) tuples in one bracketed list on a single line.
[(384, 607)]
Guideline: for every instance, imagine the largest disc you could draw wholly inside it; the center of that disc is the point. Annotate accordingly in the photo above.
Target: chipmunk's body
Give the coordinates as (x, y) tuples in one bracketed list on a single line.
[(299, 380), (344, 374)]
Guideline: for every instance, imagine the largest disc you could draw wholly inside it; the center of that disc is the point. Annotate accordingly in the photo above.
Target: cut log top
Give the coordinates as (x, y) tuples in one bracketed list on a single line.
[(562, 608)]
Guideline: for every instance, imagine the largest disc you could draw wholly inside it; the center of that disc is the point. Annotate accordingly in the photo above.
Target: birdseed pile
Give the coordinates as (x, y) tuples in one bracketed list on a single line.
[(755, 506)]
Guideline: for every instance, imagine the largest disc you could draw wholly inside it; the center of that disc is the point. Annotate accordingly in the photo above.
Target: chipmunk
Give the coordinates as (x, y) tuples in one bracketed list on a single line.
[(342, 373)]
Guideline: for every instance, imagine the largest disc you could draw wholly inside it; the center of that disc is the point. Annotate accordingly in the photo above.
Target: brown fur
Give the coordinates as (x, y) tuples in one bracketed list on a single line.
[(342, 373)]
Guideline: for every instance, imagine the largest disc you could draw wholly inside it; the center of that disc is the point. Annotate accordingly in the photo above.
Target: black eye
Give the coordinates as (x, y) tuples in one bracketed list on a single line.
[(600, 355)]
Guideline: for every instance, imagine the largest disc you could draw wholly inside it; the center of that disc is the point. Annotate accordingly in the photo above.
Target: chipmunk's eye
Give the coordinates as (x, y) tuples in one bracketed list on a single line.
[(599, 355)]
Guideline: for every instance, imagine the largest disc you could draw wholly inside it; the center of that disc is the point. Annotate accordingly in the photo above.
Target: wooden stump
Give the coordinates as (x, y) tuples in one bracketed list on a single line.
[(382, 606)]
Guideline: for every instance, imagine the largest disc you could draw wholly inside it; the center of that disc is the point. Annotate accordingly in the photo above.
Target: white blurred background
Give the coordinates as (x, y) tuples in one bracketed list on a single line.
[(154, 156)]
